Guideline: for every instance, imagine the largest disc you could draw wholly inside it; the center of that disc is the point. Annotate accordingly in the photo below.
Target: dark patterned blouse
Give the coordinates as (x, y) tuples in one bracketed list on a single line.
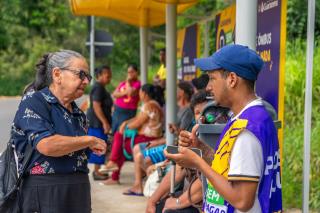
[(41, 115)]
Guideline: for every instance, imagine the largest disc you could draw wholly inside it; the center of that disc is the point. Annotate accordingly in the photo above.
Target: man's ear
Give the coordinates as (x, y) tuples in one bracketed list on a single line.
[(232, 79)]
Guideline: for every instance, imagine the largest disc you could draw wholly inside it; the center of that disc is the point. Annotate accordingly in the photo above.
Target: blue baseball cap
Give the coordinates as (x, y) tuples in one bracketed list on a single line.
[(239, 59)]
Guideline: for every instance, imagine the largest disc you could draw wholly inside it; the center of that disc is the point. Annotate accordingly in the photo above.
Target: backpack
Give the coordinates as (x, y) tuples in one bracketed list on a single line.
[(10, 179)]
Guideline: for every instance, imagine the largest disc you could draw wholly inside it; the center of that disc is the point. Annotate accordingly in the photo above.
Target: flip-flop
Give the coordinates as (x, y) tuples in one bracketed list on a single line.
[(132, 193)]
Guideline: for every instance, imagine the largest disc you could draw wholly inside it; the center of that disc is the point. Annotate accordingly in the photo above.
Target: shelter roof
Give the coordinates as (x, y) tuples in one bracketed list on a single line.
[(141, 13)]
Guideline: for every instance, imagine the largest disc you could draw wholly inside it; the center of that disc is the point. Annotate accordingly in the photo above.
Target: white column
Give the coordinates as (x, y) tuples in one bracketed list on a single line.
[(92, 47), (171, 66), (246, 22), (308, 106), (144, 54)]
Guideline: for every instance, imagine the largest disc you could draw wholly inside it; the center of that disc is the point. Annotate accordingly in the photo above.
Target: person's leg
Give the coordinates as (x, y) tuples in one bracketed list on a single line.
[(116, 159), (138, 172), (145, 163)]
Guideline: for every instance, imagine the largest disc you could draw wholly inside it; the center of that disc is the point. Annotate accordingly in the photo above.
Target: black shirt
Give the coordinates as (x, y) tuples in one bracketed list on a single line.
[(100, 94)]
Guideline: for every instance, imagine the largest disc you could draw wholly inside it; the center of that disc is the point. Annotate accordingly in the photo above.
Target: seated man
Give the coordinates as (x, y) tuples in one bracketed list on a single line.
[(146, 154)]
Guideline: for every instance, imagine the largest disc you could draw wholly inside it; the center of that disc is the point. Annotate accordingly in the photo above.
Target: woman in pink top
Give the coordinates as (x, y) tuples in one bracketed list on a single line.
[(126, 98)]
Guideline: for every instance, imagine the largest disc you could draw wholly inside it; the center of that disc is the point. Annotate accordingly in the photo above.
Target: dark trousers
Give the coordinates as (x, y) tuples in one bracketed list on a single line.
[(56, 194)]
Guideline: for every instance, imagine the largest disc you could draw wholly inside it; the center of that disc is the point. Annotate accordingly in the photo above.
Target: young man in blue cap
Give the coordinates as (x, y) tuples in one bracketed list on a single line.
[(245, 172)]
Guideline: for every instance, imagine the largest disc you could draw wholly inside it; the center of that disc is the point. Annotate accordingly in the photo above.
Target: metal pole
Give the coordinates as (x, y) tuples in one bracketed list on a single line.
[(246, 22), (144, 54), (171, 66), (308, 105), (173, 178), (92, 47)]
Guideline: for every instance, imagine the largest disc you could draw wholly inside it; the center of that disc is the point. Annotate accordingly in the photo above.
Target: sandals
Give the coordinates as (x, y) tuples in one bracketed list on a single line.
[(129, 192), (105, 170)]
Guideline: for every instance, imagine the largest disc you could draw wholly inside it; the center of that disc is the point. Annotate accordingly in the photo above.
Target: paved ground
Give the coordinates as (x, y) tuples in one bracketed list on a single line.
[(107, 199), (8, 107)]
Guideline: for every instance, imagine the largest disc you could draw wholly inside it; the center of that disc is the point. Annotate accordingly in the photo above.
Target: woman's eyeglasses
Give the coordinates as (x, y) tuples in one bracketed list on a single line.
[(81, 73)]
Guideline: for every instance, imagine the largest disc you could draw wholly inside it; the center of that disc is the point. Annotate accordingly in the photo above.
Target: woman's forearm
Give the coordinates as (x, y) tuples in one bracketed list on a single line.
[(58, 145), (118, 94)]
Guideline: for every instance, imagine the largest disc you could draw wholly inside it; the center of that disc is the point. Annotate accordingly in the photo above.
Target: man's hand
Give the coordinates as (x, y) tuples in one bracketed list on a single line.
[(97, 145), (185, 138), (185, 158), (189, 139)]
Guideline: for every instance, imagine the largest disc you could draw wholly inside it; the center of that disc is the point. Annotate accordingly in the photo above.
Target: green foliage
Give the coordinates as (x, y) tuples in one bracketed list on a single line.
[(297, 17), (293, 131)]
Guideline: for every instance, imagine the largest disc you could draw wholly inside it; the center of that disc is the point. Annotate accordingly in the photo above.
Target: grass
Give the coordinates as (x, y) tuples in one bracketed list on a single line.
[(293, 131)]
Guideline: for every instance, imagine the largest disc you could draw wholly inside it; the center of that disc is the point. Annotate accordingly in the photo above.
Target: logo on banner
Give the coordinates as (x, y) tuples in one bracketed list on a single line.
[(264, 6)]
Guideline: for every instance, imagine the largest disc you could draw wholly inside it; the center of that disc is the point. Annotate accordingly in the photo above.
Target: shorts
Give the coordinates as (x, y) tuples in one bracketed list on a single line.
[(155, 153)]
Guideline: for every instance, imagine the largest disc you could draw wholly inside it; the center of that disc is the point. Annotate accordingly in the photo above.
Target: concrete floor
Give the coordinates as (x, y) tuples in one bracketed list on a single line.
[(107, 199)]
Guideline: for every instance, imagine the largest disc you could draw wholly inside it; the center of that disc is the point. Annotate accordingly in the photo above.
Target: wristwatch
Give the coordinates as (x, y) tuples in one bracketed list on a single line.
[(178, 202)]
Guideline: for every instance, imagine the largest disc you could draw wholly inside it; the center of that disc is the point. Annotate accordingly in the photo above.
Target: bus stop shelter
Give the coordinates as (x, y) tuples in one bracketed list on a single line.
[(148, 13)]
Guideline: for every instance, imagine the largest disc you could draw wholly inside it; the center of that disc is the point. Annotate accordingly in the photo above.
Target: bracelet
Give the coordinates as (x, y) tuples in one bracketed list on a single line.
[(178, 202)]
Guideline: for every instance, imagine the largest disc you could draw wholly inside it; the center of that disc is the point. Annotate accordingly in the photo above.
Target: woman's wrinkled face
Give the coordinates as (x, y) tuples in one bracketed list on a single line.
[(75, 78)]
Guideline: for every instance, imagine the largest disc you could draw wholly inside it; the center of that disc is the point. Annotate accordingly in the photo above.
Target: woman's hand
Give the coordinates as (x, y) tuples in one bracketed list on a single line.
[(106, 127), (122, 127), (97, 145)]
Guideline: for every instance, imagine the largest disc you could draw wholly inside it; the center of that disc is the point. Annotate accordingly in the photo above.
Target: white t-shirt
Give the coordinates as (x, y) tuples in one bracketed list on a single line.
[(246, 161)]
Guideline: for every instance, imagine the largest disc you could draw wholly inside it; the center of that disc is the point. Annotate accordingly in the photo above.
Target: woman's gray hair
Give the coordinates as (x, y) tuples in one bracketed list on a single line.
[(48, 62)]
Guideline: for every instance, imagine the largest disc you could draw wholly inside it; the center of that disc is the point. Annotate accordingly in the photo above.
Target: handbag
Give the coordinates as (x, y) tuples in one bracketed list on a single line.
[(10, 180)]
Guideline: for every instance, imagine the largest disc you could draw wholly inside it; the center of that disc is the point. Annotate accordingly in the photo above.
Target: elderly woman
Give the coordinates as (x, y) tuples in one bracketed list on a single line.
[(147, 124), (48, 120)]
